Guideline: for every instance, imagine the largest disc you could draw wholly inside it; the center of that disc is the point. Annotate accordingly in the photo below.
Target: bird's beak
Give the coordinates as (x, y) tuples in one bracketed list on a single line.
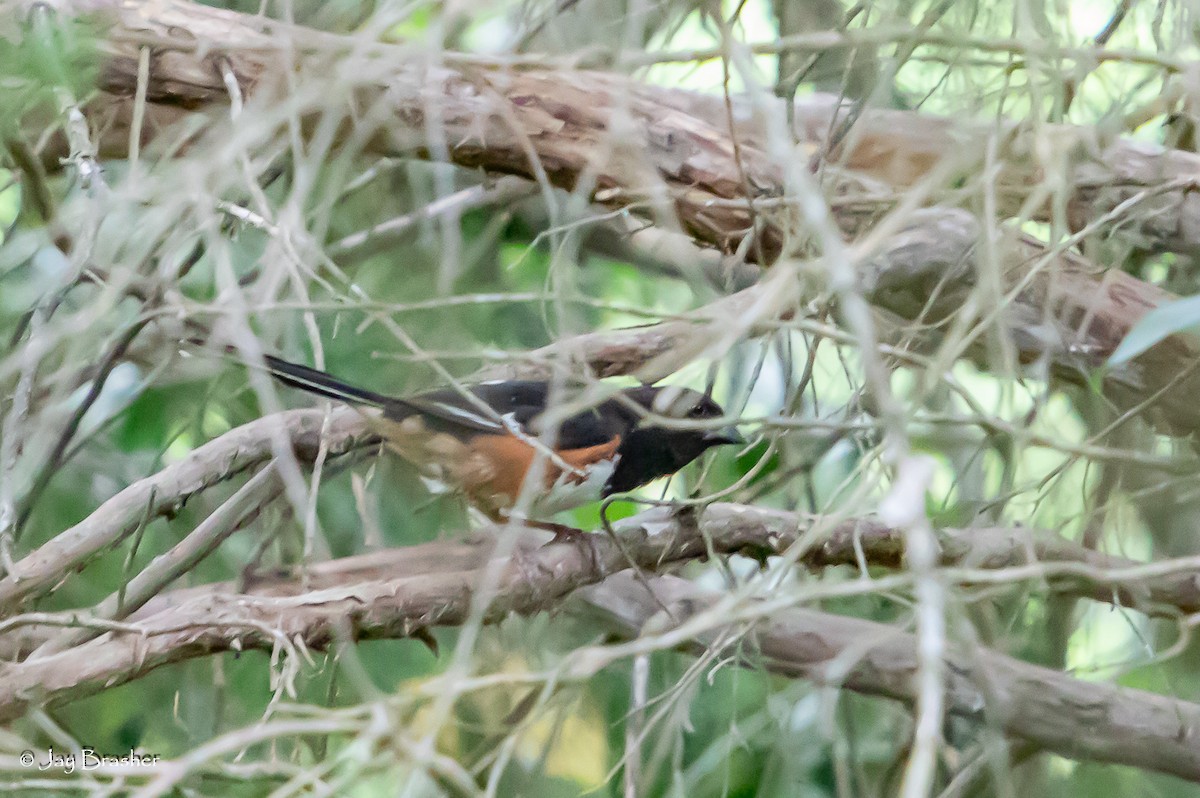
[(717, 437)]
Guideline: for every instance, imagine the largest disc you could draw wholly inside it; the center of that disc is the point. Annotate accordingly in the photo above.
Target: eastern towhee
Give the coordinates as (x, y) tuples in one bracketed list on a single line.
[(488, 438)]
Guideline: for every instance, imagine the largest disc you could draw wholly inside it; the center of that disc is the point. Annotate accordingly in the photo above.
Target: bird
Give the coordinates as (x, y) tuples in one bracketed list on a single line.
[(488, 438)]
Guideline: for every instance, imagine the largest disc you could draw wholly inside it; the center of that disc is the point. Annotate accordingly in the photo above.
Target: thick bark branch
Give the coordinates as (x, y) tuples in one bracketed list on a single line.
[(402, 592), (324, 606), (1163, 588), (670, 153), (1053, 306), (1071, 717), (973, 556), (1097, 173), (562, 114)]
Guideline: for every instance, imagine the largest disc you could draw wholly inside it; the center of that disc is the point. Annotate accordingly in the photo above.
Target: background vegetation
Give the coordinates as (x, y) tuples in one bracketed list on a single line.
[(139, 282)]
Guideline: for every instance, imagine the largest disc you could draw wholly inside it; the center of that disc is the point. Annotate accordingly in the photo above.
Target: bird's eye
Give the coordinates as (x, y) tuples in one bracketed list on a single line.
[(696, 412)]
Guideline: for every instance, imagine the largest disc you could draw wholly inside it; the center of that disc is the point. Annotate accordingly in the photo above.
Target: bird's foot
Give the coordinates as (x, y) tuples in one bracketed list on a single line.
[(562, 532), (572, 536)]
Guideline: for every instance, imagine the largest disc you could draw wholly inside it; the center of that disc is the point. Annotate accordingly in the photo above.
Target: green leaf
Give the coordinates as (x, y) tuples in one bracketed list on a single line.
[(51, 54), (1160, 323)]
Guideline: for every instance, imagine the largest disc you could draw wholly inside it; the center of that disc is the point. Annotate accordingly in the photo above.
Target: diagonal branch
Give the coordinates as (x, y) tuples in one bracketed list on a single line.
[(1056, 712), (164, 493), (671, 155), (1053, 306)]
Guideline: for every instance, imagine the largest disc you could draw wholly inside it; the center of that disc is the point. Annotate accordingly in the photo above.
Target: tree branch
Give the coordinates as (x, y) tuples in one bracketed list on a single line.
[(669, 154), (382, 601), (1052, 305), (1155, 186), (1058, 713), (166, 492), (402, 592), (194, 44)]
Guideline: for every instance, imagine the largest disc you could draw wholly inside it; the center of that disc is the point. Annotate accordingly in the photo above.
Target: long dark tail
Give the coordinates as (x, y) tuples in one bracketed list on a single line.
[(322, 384)]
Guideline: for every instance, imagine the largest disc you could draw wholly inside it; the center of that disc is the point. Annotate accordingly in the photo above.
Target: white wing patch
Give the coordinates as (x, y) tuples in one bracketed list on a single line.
[(569, 491), (452, 412)]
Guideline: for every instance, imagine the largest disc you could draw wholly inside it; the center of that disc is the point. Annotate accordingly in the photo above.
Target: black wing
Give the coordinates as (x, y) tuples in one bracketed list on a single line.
[(448, 410), (522, 401)]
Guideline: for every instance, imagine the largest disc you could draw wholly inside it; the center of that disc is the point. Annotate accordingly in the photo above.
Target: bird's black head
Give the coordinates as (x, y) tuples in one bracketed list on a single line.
[(652, 447)]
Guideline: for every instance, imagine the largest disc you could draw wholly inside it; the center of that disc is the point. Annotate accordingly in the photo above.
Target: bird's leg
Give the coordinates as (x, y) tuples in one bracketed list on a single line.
[(576, 537)]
